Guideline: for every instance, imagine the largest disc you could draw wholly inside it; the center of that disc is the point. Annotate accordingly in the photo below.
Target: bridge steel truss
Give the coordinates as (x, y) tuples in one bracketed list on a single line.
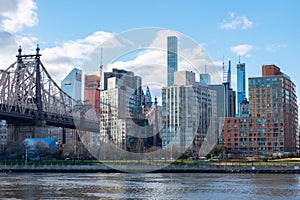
[(29, 96)]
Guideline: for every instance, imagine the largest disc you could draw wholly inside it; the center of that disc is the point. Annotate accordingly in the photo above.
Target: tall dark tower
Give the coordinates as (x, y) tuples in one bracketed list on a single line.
[(229, 73), (172, 59)]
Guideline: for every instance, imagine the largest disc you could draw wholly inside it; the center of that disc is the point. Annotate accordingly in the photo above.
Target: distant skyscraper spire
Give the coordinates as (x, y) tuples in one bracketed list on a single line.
[(172, 59), (229, 73), (205, 77), (225, 72)]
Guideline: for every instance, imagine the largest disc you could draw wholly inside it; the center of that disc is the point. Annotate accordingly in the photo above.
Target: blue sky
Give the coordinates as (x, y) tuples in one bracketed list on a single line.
[(263, 32)]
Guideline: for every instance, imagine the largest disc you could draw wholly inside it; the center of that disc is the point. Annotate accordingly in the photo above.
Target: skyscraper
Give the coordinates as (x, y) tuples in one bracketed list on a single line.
[(122, 79), (91, 91), (241, 84), (272, 98), (147, 98), (191, 112), (172, 59), (205, 78), (120, 105), (72, 84), (225, 100)]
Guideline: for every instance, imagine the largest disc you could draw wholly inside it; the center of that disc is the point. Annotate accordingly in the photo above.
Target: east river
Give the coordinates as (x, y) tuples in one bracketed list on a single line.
[(148, 186)]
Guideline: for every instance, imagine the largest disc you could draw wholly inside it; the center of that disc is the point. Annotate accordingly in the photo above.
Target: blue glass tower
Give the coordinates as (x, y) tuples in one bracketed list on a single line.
[(72, 84), (205, 78), (148, 98), (172, 59), (241, 84)]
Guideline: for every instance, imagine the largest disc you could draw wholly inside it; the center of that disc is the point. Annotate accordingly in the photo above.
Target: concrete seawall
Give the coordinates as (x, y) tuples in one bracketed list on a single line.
[(134, 168)]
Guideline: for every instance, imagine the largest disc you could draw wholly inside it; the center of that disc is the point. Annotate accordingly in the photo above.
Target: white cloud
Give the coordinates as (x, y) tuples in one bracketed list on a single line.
[(9, 45), (60, 60), (151, 63), (233, 22), (14, 16), (17, 14), (242, 49)]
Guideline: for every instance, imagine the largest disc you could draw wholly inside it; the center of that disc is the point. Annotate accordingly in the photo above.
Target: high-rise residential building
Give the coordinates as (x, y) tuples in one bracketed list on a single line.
[(191, 110), (241, 84), (225, 104), (231, 103), (273, 97), (91, 91), (226, 96), (120, 107), (72, 84), (124, 79), (172, 59), (272, 124), (225, 100)]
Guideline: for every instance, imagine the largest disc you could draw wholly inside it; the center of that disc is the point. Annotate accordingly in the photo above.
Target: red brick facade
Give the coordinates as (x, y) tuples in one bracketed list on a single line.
[(272, 124)]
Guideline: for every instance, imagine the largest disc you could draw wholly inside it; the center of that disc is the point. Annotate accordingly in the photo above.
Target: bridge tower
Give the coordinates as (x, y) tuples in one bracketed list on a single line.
[(17, 132)]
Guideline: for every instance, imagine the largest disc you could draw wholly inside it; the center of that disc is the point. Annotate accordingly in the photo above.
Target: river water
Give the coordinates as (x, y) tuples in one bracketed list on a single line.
[(148, 186)]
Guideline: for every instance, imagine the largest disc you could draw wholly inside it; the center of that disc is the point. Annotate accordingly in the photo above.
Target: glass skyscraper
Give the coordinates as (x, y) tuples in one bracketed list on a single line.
[(172, 59), (72, 84), (241, 84), (205, 78)]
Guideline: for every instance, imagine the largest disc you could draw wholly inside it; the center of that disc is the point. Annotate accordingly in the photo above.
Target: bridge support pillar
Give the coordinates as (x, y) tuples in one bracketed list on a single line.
[(17, 133)]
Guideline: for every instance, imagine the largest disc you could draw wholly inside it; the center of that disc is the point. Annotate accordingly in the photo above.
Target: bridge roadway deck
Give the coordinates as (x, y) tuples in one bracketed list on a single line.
[(31, 117)]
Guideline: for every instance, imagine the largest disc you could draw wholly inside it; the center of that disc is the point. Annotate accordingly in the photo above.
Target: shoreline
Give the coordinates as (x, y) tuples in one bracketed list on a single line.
[(147, 169)]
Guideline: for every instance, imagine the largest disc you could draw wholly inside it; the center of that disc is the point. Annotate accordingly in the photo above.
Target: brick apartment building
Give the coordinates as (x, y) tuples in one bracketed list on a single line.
[(271, 124)]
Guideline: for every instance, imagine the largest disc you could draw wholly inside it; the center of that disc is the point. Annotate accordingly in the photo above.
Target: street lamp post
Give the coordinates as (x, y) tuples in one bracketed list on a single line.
[(26, 156)]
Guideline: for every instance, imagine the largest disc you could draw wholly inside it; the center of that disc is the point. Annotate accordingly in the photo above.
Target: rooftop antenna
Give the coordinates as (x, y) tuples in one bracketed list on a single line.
[(224, 72), (239, 59), (205, 69)]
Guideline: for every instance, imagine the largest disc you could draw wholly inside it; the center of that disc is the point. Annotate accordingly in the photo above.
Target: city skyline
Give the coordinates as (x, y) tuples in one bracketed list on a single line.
[(149, 99), (152, 61), (238, 29)]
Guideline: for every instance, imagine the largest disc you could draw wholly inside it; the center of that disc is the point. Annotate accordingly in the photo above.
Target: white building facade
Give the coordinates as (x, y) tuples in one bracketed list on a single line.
[(190, 111), (119, 105)]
